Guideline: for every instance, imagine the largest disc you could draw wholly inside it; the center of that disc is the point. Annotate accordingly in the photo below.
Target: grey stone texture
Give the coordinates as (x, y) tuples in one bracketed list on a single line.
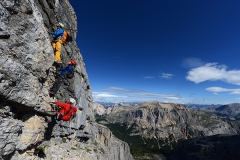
[(28, 128), (9, 132)]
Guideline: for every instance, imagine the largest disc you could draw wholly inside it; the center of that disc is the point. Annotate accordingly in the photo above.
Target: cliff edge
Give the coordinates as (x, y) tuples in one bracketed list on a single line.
[(27, 127)]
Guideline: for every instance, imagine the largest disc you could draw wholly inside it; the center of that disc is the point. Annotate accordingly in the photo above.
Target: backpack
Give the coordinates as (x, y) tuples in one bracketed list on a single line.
[(66, 37), (70, 74)]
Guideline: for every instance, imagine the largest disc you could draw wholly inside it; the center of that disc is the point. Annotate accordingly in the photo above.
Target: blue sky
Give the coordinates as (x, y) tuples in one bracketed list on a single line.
[(166, 50)]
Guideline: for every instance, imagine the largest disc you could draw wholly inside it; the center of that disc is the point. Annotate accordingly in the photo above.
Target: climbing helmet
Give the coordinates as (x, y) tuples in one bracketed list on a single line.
[(73, 62), (61, 25), (73, 101)]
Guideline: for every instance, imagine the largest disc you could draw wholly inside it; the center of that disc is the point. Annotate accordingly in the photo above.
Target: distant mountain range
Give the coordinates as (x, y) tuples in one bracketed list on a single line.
[(230, 111), (155, 126), (110, 104), (202, 105), (190, 105)]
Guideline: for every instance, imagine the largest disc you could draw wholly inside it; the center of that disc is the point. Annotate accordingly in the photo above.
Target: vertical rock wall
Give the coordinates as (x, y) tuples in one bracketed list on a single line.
[(27, 126)]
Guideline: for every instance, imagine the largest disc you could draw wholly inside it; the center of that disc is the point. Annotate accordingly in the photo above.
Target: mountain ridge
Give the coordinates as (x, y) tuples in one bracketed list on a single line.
[(161, 127)]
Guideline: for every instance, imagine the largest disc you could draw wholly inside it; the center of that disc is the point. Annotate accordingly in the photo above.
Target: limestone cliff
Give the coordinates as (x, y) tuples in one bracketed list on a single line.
[(98, 109), (27, 126)]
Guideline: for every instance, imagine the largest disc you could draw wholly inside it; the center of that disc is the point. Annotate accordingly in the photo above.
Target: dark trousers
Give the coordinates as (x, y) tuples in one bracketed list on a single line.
[(57, 84)]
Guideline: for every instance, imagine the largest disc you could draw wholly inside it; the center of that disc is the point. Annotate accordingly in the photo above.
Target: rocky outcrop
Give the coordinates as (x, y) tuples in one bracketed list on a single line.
[(104, 147), (231, 111), (227, 111), (116, 149), (27, 126), (99, 109), (9, 132)]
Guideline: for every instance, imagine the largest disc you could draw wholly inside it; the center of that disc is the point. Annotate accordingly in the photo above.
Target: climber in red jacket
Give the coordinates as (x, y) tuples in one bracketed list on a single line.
[(70, 114), (65, 108)]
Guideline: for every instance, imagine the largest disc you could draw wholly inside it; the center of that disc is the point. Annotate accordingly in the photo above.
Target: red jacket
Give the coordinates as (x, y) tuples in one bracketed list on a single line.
[(70, 114), (65, 107)]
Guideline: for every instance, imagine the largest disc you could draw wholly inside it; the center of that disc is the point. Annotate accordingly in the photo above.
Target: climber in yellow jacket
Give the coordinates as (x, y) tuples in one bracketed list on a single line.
[(57, 42)]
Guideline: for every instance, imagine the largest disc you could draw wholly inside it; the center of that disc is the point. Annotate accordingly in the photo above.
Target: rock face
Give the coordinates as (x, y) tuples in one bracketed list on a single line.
[(232, 111), (27, 126), (99, 109)]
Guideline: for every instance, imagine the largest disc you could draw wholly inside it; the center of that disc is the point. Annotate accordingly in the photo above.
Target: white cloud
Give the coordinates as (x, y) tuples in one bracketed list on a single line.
[(104, 95), (192, 63), (148, 77), (118, 94), (166, 75), (216, 90), (115, 88), (129, 95), (214, 72)]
